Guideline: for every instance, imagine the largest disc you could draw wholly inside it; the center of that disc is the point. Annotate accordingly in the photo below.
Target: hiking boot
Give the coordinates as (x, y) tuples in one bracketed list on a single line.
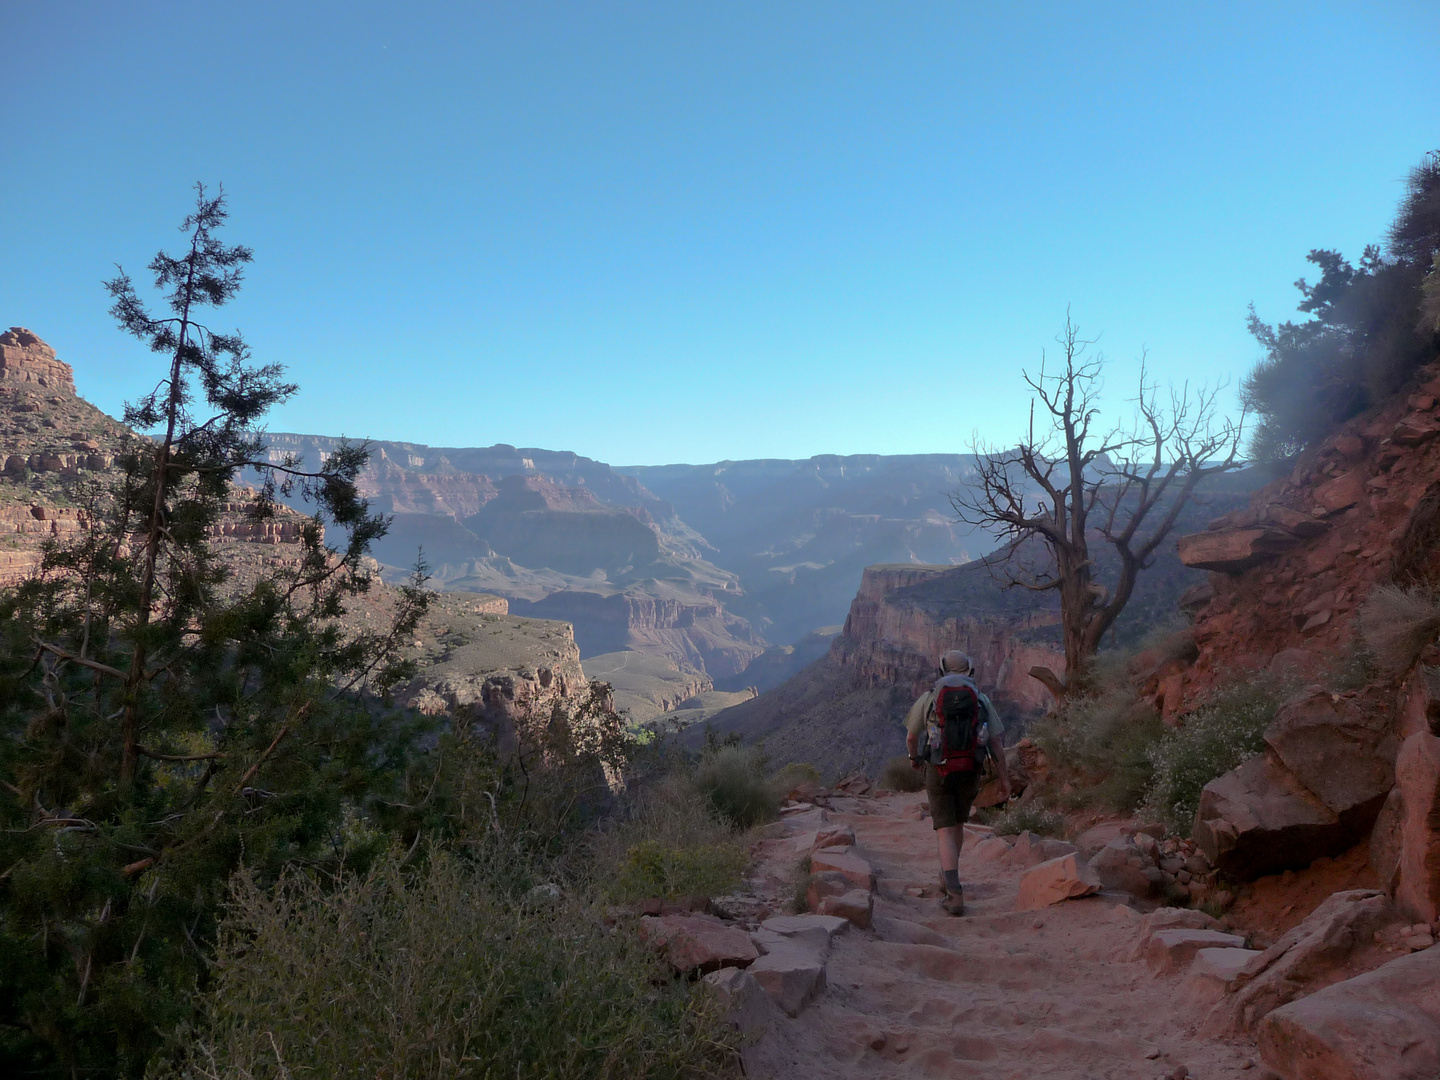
[(953, 903)]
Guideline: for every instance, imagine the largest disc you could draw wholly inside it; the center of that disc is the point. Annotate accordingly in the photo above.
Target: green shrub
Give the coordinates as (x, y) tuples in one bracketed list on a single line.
[(1214, 739), (440, 974), (1370, 326), (669, 843), (1032, 817), (900, 775), (733, 778), (795, 774), (1101, 746)]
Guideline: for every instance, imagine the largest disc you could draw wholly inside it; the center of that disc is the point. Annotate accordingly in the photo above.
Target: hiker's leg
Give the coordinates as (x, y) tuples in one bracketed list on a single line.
[(949, 843)]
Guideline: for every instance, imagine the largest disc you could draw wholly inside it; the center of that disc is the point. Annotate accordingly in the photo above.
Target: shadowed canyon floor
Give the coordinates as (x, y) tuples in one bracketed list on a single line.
[(1019, 995)]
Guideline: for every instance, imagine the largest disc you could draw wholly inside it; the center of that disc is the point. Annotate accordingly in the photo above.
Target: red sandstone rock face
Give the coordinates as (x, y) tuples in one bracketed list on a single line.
[(1292, 569), (1417, 871), (24, 358), (888, 641)]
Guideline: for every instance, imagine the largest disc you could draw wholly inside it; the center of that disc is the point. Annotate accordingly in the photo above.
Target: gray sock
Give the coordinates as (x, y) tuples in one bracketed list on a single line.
[(952, 880)]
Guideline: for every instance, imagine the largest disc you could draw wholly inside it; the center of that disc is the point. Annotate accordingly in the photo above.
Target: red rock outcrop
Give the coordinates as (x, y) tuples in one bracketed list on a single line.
[(891, 638), (24, 358), (1290, 571)]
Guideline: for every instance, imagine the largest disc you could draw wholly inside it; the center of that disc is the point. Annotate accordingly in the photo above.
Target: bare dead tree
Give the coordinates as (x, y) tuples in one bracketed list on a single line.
[(1072, 484)]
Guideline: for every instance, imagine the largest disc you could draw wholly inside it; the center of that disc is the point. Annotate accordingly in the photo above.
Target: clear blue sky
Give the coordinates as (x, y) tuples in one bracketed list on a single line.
[(682, 232)]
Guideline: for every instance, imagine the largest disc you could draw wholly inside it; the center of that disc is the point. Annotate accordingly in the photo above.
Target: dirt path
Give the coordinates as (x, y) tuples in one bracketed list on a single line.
[(998, 993)]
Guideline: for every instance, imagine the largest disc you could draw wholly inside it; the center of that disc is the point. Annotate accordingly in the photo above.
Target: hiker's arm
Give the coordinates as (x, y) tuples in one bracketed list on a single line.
[(912, 747)]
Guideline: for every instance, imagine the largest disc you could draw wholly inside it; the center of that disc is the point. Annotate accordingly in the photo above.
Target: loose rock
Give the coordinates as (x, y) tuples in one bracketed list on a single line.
[(1054, 881), (1173, 950), (698, 942)]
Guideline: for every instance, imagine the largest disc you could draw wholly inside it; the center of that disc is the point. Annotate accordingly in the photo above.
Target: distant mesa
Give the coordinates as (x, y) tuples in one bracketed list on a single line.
[(24, 358)]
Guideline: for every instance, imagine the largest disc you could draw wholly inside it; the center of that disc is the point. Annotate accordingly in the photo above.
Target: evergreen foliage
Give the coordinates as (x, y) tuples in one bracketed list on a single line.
[(1371, 325), (160, 724)]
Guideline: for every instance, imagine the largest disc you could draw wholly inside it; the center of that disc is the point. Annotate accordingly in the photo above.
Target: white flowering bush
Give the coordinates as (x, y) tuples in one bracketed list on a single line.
[(1226, 731)]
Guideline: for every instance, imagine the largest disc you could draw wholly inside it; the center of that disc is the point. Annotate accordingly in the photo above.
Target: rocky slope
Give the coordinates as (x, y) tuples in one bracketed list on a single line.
[(50, 440), (1354, 752)]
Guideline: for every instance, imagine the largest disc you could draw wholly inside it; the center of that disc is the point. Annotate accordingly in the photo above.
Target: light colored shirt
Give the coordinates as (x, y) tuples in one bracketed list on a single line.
[(915, 718)]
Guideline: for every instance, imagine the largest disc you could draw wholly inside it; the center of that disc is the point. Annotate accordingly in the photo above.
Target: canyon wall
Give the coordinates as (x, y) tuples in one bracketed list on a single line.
[(896, 631)]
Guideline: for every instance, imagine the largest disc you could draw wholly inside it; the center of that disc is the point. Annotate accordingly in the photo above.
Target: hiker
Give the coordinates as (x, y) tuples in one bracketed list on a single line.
[(953, 764)]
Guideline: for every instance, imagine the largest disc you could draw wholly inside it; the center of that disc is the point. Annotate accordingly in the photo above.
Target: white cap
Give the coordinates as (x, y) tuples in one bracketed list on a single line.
[(955, 662)]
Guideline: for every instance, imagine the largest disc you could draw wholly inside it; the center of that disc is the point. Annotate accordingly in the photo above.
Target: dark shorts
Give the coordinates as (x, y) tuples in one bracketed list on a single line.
[(950, 797)]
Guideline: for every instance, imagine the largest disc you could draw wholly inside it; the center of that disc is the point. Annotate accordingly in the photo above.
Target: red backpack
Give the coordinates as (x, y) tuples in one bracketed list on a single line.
[(958, 715)]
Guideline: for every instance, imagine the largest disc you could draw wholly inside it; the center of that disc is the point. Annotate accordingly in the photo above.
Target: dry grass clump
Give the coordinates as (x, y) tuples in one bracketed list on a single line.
[(900, 775), (1396, 624), (437, 973), (1031, 816)]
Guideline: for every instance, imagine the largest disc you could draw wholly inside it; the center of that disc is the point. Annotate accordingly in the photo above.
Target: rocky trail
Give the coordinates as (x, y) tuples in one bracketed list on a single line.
[(998, 993), (1047, 976)]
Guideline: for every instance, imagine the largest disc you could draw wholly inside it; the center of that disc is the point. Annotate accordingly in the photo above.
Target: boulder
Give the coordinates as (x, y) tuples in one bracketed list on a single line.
[(1420, 702), (826, 883), (1097, 836), (790, 972), (843, 861), (809, 927), (1123, 866), (1169, 918), (1417, 875), (1342, 492), (1302, 525), (990, 850), (1031, 849), (1232, 551), (747, 1006), (1311, 955), (1385, 841), (834, 836), (856, 907), (1343, 756), (1259, 818), (1173, 950), (1049, 883), (1225, 963), (1382, 1025), (700, 943), (1414, 430)]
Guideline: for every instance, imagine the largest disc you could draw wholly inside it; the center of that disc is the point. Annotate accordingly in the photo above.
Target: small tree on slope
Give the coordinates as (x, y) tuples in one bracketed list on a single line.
[(160, 724), (1070, 485)]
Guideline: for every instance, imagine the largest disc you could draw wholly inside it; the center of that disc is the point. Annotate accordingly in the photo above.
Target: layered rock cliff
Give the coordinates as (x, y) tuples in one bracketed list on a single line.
[(905, 617)]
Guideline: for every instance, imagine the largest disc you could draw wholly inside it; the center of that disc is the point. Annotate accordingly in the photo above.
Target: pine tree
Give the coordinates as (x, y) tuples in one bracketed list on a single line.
[(164, 723)]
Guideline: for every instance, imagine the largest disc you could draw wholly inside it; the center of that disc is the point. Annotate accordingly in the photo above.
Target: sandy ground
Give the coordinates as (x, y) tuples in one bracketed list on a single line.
[(997, 993)]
